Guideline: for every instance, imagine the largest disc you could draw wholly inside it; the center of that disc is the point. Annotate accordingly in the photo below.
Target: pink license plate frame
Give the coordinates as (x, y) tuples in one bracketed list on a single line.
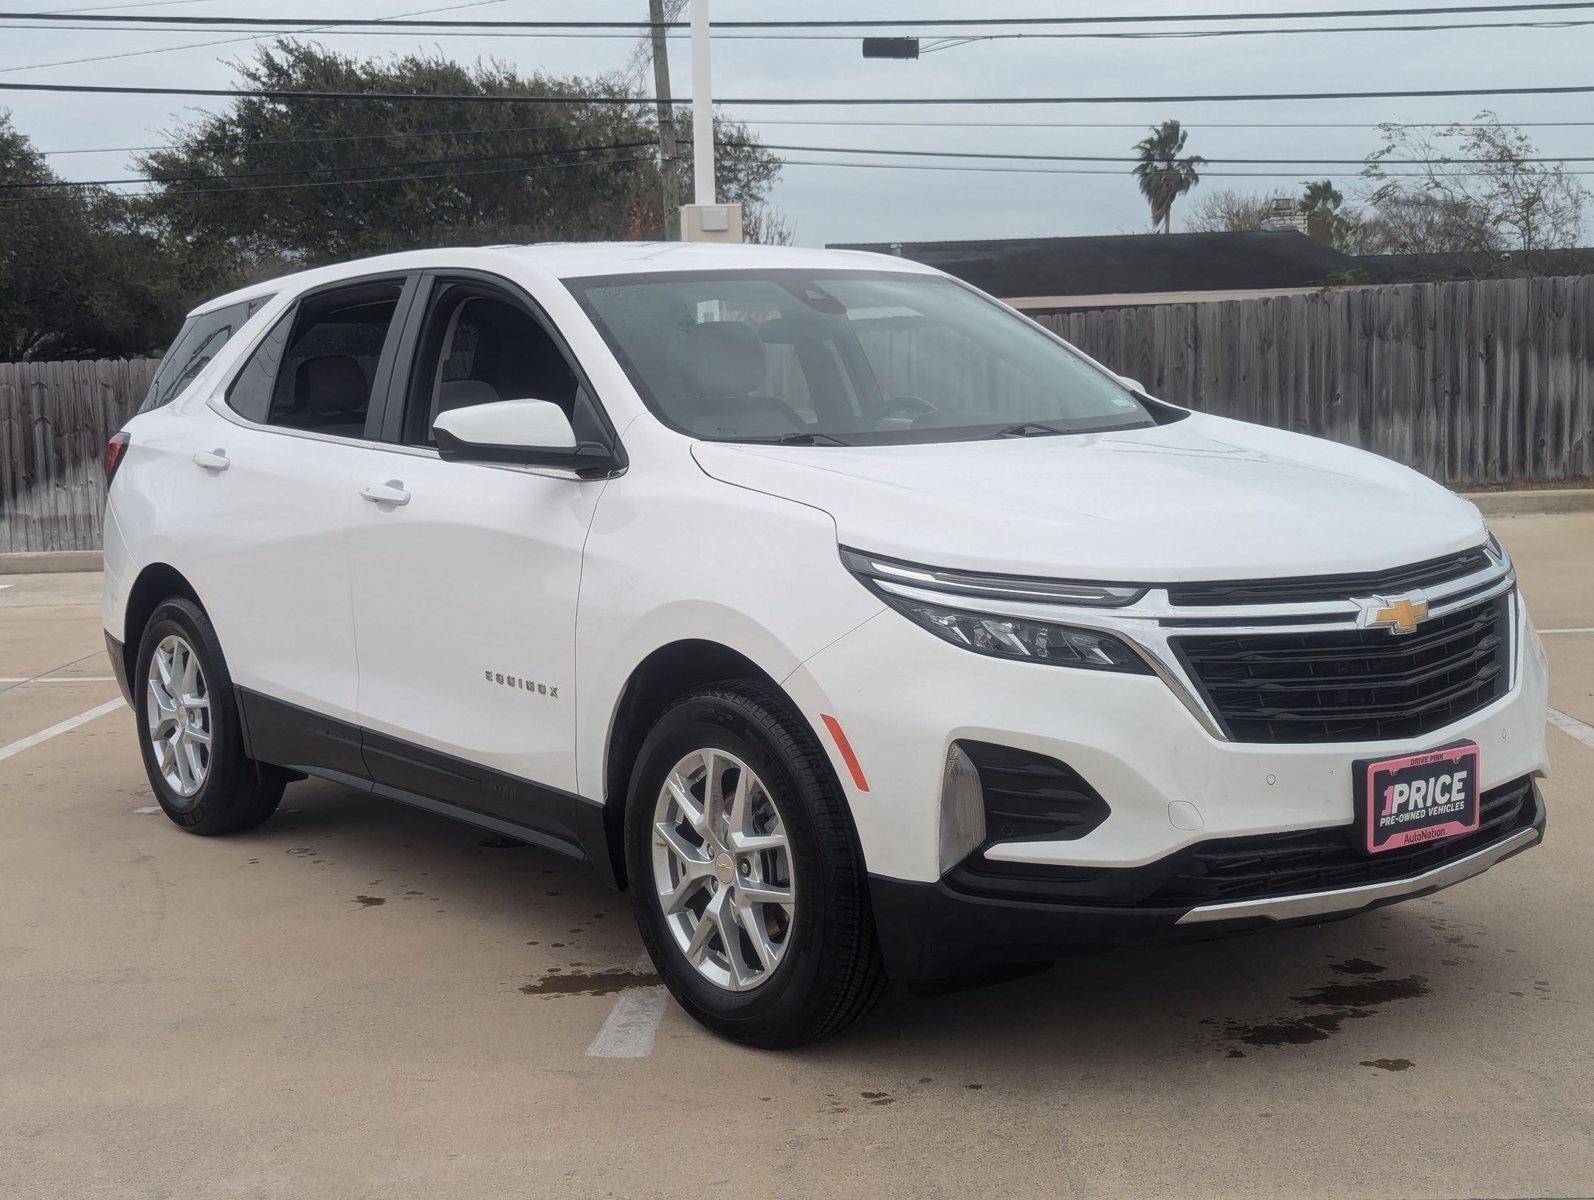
[(1413, 798)]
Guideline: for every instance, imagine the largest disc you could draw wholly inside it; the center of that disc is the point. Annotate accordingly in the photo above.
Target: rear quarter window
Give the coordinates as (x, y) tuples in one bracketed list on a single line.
[(198, 341)]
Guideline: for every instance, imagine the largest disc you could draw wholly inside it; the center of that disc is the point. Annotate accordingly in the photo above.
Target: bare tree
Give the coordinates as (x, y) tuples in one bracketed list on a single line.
[(1478, 188), (1226, 211)]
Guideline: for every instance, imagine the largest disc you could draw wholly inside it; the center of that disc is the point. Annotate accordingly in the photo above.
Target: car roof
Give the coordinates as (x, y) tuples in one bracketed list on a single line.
[(574, 260)]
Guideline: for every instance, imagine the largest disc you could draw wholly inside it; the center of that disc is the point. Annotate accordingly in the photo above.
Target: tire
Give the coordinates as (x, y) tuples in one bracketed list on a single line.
[(230, 791), (828, 970)]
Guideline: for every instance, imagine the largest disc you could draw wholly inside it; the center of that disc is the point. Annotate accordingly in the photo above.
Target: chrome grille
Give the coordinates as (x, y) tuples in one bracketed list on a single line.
[(1332, 587)]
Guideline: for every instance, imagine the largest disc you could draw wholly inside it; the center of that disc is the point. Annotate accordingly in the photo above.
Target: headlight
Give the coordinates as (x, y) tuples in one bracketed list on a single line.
[(916, 592), (1035, 641)]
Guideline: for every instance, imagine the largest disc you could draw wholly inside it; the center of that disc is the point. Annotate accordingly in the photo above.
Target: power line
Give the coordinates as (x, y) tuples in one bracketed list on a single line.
[(844, 122), (788, 101), (853, 23), (1296, 175), (815, 35), (274, 187), (1111, 158), (1311, 163), (381, 166), (233, 41)]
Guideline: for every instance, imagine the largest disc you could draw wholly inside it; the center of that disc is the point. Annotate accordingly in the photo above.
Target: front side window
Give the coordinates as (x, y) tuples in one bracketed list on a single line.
[(849, 357), (198, 341), (479, 346), (316, 368)]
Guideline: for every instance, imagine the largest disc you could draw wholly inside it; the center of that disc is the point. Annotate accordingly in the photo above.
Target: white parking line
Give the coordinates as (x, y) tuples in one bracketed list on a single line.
[(1572, 727), (57, 679), (66, 726), (1583, 629), (634, 1019)]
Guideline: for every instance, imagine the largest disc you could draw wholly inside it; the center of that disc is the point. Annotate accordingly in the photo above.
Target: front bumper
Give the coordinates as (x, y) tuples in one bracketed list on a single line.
[(903, 696), (933, 930)]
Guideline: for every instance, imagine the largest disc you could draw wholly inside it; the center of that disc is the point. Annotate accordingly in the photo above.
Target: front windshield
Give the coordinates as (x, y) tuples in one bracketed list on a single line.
[(844, 357)]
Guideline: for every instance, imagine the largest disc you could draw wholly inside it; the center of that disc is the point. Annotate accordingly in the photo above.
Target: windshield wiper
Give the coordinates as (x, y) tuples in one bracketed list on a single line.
[(800, 439), (1027, 429)]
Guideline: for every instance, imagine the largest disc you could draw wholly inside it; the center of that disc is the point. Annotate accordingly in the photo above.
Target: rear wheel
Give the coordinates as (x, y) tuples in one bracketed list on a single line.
[(745, 872), (188, 728)]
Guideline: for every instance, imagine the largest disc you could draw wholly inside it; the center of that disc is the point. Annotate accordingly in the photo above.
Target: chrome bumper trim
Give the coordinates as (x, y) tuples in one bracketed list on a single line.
[(1313, 904)]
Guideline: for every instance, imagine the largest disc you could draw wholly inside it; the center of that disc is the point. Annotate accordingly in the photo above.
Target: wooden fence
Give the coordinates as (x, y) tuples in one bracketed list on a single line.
[(1470, 383), (54, 421)]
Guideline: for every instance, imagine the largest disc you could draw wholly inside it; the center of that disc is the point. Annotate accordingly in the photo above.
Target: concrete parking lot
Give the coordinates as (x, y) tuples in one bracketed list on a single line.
[(358, 999)]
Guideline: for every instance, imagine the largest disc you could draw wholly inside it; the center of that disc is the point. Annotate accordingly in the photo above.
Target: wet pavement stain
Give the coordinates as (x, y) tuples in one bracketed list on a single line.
[(1389, 1064), (587, 983), (1359, 966), (1368, 991), (370, 901), (1344, 1002), (878, 1097)]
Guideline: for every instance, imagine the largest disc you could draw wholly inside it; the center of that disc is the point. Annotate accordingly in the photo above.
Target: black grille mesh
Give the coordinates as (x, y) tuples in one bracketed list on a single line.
[(1354, 685), (1031, 796), (1284, 863)]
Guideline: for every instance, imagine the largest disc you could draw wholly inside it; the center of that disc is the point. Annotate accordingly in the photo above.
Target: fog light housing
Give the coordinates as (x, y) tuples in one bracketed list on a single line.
[(962, 809)]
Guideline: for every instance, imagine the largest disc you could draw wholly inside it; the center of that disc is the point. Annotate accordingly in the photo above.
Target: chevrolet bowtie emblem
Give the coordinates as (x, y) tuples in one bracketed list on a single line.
[(1398, 614)]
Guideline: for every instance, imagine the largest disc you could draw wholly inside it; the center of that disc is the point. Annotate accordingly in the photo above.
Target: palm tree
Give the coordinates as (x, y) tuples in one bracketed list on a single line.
[(1162, 174), (1321, 203)]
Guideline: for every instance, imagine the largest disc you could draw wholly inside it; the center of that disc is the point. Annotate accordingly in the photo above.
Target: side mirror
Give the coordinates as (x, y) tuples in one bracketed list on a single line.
[(531, 433), (1134, 385)]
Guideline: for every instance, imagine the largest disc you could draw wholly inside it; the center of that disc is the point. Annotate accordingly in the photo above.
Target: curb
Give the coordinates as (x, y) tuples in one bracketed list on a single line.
[(46, 562), (1537, 502)]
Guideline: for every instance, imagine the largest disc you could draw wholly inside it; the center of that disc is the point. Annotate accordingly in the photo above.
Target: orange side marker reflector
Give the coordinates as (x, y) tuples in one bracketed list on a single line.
[(847, 756)]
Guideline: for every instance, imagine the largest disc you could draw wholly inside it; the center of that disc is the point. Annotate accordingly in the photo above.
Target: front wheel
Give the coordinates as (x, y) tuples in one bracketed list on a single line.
[(188, 728), (745, 872)]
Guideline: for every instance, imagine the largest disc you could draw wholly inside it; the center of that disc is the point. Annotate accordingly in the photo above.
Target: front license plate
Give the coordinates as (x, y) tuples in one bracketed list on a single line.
[(1417, 798)]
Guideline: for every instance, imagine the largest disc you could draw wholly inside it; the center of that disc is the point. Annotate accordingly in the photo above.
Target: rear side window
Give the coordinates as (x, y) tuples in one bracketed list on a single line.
[(197, 342), (315, 369)]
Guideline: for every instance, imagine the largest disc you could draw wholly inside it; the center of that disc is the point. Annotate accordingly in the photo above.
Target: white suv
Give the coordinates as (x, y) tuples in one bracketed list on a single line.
[(855, 623)]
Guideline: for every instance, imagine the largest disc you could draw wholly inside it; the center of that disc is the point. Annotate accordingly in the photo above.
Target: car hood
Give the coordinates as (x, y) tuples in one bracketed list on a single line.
[(1200, 498)]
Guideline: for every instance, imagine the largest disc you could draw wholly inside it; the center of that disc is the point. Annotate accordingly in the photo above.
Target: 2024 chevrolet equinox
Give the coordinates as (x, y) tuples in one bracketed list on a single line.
[(856, 624)]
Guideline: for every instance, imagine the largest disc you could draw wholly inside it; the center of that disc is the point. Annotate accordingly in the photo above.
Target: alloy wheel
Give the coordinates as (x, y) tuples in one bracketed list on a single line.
[(178, 717), (722, 869)]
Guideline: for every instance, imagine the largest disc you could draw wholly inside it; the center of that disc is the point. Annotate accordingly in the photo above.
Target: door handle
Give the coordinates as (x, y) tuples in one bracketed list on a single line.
[(213, 460), (391, 492)]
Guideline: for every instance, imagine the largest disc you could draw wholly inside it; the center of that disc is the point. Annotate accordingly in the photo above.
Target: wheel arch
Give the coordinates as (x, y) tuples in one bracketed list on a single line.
[(156, 582), (664, 675)]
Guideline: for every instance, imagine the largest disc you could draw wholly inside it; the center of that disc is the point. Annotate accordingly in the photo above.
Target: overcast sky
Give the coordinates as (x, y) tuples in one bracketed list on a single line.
[(828, 204)]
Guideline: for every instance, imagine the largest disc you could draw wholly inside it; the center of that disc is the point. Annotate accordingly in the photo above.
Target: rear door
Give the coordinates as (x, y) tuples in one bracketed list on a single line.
[(465, 575), (270, 513)]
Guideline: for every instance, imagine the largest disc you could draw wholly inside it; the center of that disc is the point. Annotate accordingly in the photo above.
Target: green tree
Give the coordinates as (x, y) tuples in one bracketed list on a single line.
[(394, 175), (1162, 174), (76, 280)]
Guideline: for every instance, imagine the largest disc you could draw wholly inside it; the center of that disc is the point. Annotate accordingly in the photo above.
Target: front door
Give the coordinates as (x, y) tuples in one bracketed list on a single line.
[(465, 579)]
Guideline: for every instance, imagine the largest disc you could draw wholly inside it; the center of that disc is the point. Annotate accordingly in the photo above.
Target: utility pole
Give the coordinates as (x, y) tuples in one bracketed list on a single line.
[(666, 112), (705, 220)]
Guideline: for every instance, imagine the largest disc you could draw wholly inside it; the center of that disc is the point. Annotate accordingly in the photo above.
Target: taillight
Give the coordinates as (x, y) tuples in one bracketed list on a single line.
[(115, 451)]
